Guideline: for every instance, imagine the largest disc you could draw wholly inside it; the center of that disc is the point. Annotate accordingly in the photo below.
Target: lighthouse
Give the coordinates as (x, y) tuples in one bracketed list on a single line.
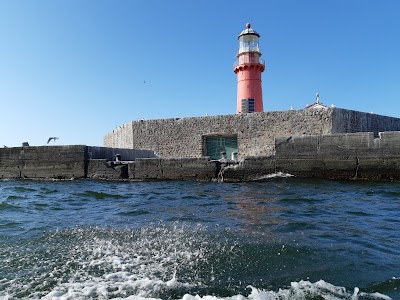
[(248, 68)]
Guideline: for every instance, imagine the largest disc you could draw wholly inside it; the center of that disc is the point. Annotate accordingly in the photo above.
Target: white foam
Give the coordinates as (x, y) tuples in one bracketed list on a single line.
[(278, 175), (274, 175), (144, 266), (297, 291)]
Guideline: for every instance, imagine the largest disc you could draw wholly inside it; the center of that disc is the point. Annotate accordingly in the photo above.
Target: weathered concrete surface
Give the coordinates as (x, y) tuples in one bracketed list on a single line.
[(251, 168), (255, 132), (173, 169), (351, 121), (66, 162), (107, 170), (185, 137), (340, 156), (59, 162), (351, 156), (355, 156)]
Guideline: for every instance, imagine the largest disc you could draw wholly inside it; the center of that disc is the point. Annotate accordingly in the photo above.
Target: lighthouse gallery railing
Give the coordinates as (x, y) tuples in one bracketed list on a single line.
[(248, 60)]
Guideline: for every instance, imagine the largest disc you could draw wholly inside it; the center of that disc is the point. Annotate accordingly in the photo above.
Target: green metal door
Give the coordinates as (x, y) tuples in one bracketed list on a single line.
[(217, 144)]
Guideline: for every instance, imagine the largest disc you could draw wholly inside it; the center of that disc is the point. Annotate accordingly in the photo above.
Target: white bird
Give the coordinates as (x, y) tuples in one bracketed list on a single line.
[(355, 293), (52, 138)]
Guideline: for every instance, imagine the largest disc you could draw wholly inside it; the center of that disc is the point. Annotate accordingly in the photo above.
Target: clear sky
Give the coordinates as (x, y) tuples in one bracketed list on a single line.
[(77, 69)]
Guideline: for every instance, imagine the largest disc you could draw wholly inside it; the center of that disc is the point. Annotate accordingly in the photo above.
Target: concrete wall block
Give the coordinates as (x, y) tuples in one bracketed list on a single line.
[(146, 168), (355, 121), (317, 168), (102, 169), (9, 170), (172, 168), (348, 140), (251, 168), (379, 168), (62, 162), (342, 145), (392, 137), (296, 146), (337, 167), (175, 169), (339, 156), (262, 166), (126, 154), (300, 166)]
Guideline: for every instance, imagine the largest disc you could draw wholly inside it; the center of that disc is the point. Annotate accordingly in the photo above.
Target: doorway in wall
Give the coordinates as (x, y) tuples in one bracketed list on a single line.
[(215, 145)]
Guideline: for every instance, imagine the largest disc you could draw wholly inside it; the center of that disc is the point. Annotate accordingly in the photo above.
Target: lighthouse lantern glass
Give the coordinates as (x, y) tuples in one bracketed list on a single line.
[(248, 43)]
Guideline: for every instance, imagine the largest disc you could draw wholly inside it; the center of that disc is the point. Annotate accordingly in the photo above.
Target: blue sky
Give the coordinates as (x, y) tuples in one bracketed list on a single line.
[(77, 69)]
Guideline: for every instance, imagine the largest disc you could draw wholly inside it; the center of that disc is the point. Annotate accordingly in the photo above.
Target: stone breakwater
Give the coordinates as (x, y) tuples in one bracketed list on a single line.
[(255, 132), (60, 162), (356, 156), (350, 156)]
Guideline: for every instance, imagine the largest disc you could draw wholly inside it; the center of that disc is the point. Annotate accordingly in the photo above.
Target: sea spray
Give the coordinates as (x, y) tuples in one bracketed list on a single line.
[(268, 239)]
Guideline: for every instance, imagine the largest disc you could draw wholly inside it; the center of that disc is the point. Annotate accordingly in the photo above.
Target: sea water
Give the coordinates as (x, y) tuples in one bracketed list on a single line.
[(276, 238)]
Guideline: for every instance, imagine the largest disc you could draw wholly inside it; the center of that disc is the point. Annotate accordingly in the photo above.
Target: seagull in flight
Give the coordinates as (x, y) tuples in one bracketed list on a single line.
[(52, 138)]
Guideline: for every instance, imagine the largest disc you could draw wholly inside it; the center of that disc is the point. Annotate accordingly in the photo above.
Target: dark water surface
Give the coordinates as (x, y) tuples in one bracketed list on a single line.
[(281, 238)]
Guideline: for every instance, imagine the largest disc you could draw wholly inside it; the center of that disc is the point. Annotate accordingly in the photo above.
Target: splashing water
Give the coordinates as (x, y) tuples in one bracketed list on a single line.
[(273, 239)]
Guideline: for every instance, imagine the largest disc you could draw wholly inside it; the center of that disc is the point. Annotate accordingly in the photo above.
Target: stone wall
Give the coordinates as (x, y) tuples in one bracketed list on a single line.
[(183, 138), (60, 162), (121, 137), (350, 121)]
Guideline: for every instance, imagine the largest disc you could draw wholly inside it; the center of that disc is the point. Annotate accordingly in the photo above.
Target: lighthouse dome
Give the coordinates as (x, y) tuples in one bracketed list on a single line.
[(248, 30)]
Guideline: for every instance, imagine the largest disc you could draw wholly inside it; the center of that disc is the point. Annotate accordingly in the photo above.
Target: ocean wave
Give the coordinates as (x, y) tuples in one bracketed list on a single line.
[(8, 206), (159, 261), (117, 286), (23, 189), (101, 195)]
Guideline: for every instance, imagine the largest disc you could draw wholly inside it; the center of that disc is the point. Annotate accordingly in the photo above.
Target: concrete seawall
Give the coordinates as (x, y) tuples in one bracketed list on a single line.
[(354, 156), (59, 162), (65, 162), (351, 156), (357, 156), (341, 156), (255, 132)]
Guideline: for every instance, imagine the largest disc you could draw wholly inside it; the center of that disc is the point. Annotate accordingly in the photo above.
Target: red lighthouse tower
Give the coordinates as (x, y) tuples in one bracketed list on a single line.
[(248, 68)]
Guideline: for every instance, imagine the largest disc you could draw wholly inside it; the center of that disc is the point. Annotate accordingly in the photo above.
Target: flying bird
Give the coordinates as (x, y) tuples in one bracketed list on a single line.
[(52, 138)]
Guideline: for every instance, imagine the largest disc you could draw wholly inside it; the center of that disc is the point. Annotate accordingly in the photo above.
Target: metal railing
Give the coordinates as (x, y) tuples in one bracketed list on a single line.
[(248, 60)]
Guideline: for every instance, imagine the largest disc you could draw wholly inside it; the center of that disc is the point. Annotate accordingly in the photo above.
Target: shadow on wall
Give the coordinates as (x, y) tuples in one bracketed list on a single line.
[(123, 154)]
